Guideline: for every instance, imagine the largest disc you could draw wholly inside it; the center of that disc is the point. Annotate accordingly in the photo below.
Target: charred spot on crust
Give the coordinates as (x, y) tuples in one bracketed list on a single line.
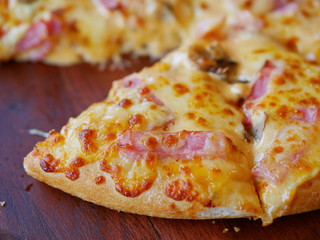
[(48, 163), (87, 137), (212, 59)]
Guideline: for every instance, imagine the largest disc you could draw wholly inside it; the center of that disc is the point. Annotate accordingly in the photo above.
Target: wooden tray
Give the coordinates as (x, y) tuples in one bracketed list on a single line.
[(44, 97)]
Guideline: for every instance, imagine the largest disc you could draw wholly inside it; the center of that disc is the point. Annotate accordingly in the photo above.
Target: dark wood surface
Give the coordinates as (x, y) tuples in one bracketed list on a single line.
[(44, 97)]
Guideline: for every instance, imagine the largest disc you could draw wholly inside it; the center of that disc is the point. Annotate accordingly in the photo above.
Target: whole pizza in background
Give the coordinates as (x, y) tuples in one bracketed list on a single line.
[(225, 126)]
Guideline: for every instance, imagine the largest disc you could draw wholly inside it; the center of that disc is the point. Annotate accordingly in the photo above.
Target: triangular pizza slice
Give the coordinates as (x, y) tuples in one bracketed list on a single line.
[(282, 112), (168, 142)]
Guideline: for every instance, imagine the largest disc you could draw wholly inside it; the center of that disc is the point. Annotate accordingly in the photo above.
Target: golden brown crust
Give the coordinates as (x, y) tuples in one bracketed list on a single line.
[(151, 203), (307, 197)]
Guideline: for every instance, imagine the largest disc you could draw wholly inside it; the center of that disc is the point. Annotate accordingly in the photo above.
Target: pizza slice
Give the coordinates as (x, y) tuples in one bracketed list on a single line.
[(65, 32), (282, 112), (167, 142), (293, 23)]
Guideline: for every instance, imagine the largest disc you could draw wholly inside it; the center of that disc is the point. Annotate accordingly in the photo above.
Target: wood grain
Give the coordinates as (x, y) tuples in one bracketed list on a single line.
[(44, 97)]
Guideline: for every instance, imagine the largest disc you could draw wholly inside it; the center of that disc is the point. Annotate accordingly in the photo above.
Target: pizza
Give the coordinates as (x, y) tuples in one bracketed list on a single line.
[(293, 23), (152, 147), (65, 32), (95, 31), (224, 126)]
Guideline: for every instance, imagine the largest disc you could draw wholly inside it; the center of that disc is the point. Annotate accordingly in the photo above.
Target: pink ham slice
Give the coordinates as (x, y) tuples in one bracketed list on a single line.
[(307, 114), (260, 87), (288, 150), (247, 21), (279, 5), (39, 38), (135, 83), (185, 145), (109, 4), (275, 169)]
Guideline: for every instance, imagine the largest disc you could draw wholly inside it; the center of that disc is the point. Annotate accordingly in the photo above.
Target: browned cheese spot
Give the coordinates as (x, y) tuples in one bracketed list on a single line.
[(78, 162), (144, 90), (282, 111), (180, 89), (48, 163), (133, 192), (202, 121), (315, 81), (125, 103), (110, 136), (279, 80), (136, 119), (55, 137), (216, 171), (151, 142), (150, 161), (190, 115), (100, 180), (181, 190), (292, 43), (170, 140), (228, 111), (278, 149), (186, 170), (132, 188), (72, 174), (87, 137)]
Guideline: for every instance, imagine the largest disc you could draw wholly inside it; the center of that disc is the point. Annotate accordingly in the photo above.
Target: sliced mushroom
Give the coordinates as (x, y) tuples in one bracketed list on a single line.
[(258, 125), (212, 58)]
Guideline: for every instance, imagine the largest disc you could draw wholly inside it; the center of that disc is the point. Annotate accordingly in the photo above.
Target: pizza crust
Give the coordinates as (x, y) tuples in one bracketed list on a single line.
[(152, 203), (307, 197)]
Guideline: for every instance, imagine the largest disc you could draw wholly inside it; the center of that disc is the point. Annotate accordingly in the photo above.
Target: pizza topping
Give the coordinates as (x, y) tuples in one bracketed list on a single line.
[(48, 163), (100, 180), (87, 138), (260, 87), (180, 88), (177, 145), (245, 20), (136, 119), (132, 82), (39, 38), (129, 184), (285, 6), (72, 174), (78, 162), (181, 190), (213, 59), (110, 4), (125, 103), (308, 114), (259, 121), (285, 154)]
